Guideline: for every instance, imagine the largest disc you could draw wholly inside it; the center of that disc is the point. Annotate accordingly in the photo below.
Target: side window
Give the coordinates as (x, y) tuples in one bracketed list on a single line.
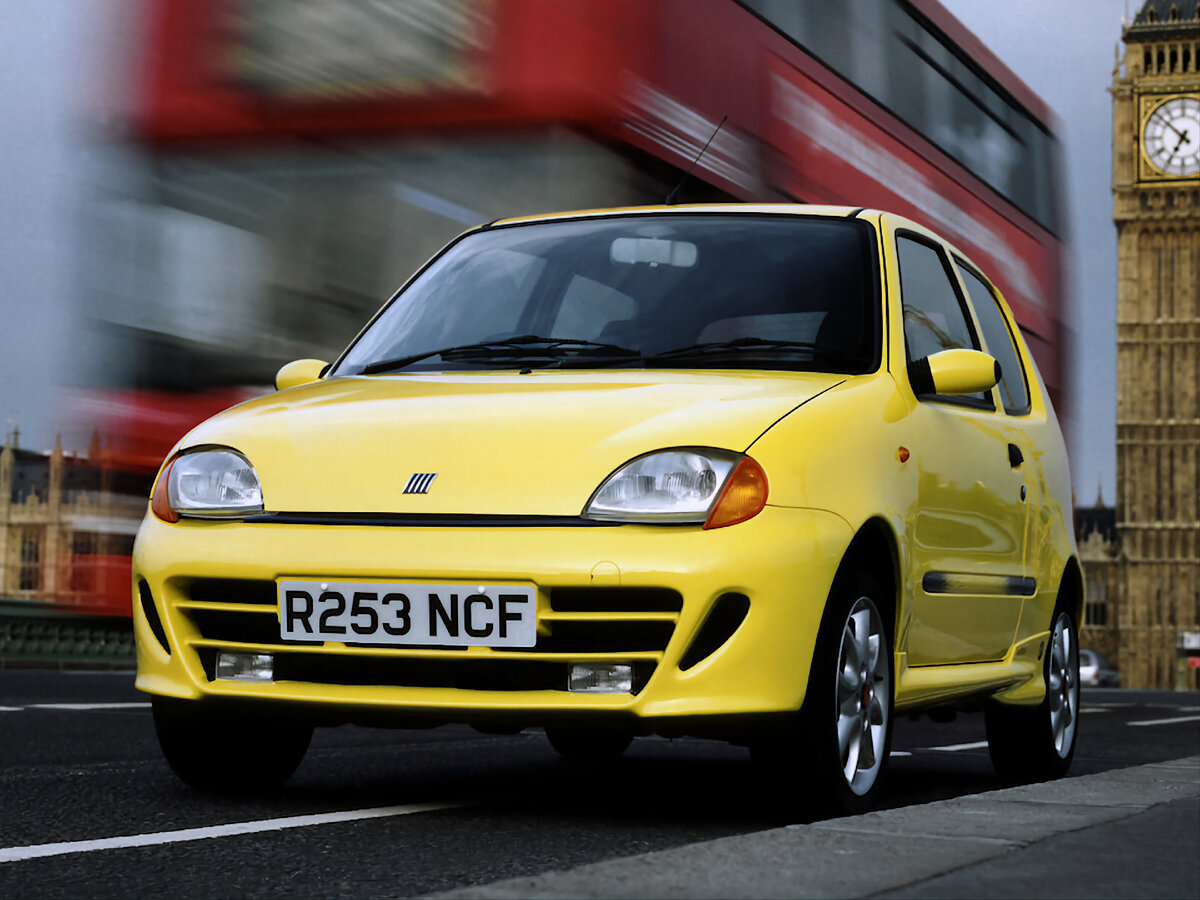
[(933, 315), (1014, 390)]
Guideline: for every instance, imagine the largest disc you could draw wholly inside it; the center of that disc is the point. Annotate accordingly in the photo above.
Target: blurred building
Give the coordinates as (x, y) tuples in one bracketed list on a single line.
[(66, 530), (1156, 191), (1099, 551)]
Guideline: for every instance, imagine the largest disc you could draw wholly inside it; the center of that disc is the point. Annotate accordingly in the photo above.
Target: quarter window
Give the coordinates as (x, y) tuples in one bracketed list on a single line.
[(933, 317), (933, 314), (1014, 392)]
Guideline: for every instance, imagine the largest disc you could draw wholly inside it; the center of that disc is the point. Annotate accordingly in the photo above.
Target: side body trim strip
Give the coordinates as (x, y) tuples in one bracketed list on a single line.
[(973, 583)]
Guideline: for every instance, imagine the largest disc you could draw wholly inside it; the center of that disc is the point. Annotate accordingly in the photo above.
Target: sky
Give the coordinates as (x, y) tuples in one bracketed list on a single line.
[(1064, 51), (35, 105)]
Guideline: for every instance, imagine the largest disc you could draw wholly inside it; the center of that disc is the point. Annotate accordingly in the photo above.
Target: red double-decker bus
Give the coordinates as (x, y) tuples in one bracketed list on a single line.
[(307, 155)]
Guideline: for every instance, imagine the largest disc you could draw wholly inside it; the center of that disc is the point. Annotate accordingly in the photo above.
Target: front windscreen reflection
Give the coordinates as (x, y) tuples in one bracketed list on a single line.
[(648, 284)]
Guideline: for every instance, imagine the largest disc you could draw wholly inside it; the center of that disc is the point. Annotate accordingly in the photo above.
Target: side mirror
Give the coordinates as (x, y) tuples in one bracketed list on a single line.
[(953, 372), (300, 371)]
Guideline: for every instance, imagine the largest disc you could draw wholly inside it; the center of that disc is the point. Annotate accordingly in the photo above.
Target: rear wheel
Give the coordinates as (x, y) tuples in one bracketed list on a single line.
[(588, 745), (1037, 743), (837, 755), (228, 752)]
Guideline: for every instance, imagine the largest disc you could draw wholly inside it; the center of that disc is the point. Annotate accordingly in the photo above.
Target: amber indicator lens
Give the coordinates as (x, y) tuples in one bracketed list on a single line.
[(744, 495), (160, 503)]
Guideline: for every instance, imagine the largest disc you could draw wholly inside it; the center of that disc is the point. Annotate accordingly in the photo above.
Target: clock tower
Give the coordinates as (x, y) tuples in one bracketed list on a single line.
[(1156, 193)]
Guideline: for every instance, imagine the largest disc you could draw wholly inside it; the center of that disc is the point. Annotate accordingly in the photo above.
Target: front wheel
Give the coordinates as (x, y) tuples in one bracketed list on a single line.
[(839, 749), (1037, 743), (225, 752)]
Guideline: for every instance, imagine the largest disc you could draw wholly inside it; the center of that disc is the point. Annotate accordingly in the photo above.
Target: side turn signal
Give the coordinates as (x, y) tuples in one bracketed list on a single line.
[(743, 497), (160, 502)]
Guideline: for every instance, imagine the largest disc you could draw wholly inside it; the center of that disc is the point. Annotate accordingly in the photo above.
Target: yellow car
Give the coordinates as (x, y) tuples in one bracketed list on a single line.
[(769, 474)]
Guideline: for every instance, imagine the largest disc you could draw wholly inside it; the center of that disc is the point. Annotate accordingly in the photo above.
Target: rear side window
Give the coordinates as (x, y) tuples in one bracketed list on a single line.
[(1014, 390), (934, 319)]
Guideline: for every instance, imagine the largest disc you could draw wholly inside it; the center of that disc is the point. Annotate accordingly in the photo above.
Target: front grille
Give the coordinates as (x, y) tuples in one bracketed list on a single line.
[(231, 590), (579, 621), (564, 637), (615, 599), (241, 628), (603, 637)]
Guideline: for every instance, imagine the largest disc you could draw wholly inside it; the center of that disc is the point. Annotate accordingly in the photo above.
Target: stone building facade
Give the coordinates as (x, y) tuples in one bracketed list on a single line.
[(66, 530), (1096, 532), (1156, 193)]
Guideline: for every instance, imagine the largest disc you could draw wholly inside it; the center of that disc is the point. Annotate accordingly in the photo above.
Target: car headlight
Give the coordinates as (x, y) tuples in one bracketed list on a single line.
[(207, 483), (715, 487)]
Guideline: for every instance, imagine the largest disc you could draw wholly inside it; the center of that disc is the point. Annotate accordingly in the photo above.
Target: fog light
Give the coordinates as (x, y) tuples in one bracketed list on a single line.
[(246, 666), (600, 678)]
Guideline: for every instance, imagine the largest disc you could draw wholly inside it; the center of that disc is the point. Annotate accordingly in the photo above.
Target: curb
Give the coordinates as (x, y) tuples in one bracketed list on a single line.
[(892, 850)]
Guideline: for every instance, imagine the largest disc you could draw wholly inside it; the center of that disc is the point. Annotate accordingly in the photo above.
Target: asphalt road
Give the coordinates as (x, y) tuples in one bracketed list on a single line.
[(79, 763)]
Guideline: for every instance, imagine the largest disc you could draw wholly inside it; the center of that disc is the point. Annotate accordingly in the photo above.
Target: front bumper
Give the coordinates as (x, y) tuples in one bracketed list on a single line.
[(622, 594)]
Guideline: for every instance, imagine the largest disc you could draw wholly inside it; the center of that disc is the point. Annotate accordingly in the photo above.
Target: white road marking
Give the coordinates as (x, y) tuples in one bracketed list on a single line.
[(11, 708), (900, 753), (951, 748), (38, 851), (88, 706), (1095, 709), (1173, 721)]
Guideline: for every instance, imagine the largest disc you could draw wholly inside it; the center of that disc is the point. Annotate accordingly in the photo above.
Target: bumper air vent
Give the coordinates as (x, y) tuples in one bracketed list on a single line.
[(723, 620), (151, 613)]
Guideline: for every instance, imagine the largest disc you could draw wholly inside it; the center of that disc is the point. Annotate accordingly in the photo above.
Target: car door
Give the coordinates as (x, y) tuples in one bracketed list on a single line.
[(996, 331), (967, 528)]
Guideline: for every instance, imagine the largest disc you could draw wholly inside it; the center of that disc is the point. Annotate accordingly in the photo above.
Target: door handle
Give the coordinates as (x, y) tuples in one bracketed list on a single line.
[(1015, 457)]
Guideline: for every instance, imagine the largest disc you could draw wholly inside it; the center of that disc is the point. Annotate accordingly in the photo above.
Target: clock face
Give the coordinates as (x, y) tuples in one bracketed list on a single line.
[(1171, 137)]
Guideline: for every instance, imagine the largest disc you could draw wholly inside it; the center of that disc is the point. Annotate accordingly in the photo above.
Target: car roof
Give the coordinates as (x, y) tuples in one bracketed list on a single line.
[(792, 209)]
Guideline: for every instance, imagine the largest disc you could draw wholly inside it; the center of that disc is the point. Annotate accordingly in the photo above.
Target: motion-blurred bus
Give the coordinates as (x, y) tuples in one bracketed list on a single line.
[(290, 162)]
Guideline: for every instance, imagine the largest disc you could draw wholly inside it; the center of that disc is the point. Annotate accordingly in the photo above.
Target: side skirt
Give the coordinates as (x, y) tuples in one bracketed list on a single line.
[(1015, 679)]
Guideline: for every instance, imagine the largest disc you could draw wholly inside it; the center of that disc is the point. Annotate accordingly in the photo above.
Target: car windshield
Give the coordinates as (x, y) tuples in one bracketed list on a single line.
[(669, 290)]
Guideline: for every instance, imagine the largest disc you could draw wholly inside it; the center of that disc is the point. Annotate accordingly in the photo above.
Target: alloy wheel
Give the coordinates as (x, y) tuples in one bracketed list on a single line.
[(1063, 685), (863, 694)]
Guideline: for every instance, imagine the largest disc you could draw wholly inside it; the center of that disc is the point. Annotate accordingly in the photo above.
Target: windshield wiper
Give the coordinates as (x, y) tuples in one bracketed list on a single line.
[(521, 346), (749, 346)]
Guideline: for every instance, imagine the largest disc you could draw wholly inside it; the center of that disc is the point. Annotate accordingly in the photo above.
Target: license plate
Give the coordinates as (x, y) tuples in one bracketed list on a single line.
[(443, 615)]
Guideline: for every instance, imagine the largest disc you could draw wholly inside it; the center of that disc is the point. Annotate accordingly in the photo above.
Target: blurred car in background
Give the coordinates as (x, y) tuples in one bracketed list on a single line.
[(1097, 671)]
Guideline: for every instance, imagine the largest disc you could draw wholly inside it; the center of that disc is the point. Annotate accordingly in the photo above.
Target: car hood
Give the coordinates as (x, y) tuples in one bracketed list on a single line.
[(501, 443)]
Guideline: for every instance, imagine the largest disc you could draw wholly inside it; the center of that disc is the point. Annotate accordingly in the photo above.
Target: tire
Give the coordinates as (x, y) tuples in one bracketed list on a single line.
[(588, 745), (228, 753), (834, 760), (1037, 743)]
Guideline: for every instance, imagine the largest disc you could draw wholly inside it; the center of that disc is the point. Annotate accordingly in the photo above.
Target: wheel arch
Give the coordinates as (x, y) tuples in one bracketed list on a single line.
[(875, 549), (1071, 591)]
